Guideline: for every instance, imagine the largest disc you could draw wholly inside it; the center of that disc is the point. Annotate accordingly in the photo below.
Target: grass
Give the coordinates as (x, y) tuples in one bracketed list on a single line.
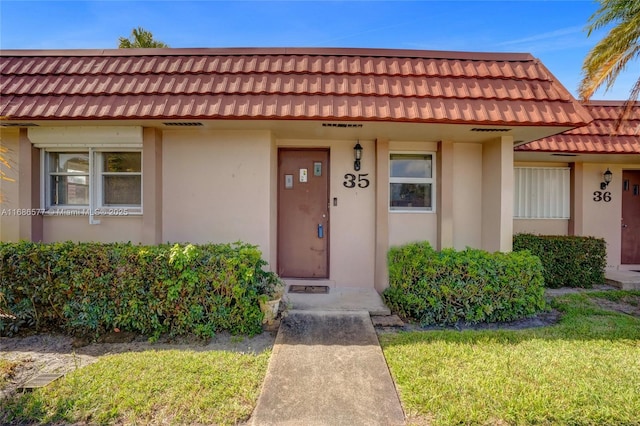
[(631, 297), (151, 387), (583, 371), (7, 369)]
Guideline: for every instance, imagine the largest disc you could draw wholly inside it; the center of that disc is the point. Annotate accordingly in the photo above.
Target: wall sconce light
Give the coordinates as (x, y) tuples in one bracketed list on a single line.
[(607, 176), (357, 151)]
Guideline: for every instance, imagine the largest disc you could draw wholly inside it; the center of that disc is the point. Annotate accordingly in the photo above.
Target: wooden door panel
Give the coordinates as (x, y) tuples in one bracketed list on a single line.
[(303, 249), (630, 217)]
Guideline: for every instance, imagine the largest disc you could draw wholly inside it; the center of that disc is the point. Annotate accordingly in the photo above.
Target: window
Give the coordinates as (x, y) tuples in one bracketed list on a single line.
[(93, 180), (121, 179), (541, 193), (411, 182)]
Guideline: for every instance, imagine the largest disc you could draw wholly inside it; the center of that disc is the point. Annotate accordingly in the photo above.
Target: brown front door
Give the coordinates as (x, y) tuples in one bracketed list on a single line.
[(631, 217), (303, 213)]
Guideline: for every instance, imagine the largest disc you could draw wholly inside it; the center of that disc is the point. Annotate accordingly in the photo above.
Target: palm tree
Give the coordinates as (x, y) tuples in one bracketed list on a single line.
[(613, 53), (140, 38)]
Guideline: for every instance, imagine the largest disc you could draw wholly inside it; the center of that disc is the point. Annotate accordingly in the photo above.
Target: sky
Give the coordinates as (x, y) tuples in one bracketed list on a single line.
[(553, 31)]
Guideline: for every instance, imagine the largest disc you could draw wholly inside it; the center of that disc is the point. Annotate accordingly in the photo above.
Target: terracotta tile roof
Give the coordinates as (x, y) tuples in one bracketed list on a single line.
[(335, 84), (597, 137)]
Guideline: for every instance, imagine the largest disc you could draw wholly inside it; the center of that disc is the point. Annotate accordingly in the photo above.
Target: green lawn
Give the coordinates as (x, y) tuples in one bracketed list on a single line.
[(152, 387), (583, 371)]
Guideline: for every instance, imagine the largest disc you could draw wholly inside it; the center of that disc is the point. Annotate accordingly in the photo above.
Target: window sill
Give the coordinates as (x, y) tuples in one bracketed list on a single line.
[(412, 211)]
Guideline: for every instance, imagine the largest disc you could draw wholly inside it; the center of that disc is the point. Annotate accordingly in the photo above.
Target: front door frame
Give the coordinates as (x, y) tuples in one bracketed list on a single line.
[(327, 230)]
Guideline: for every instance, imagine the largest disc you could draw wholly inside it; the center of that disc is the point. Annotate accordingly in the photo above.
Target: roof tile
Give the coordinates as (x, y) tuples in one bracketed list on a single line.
[(599, 137), (417, 86)]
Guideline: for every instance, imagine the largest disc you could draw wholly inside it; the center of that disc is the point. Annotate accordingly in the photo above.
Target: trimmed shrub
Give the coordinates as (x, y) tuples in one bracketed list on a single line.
[(94, 288), (468, 286), (568, 261)]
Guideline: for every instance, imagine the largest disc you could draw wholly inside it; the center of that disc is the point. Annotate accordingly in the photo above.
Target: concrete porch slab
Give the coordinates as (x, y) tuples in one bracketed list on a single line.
[(338, 299), (624, 280), (327, 368)]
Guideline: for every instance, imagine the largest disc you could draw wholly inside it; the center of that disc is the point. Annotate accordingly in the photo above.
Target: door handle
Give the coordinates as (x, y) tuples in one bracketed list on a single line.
[(625, 226), (320, 231)]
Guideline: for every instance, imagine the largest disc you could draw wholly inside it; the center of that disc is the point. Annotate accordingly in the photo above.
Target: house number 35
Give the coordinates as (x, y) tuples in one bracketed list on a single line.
[(351, 180), (602, 196)]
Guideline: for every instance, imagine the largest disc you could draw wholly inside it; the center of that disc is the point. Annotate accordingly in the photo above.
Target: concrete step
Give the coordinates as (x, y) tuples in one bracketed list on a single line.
[(338, 299), (624, 280)]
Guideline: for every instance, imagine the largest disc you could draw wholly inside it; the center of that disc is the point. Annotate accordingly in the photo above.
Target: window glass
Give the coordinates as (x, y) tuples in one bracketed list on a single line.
[(69, 190), (121, 190), (411, 165), (411, 195), (62, 162), (121, 162)]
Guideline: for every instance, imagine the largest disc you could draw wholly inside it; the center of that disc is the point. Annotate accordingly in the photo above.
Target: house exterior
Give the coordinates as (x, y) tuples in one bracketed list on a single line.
[(560, 188), (324, 158)]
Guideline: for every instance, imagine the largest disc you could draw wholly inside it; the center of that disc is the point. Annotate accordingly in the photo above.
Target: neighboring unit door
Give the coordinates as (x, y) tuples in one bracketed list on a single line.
[(303, 213), (631, 217)]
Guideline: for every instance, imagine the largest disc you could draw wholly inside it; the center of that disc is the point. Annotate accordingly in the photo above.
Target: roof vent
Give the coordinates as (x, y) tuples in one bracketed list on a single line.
[(186, 124), (18, 125), (564, 155), (342, 125), (489, 129)]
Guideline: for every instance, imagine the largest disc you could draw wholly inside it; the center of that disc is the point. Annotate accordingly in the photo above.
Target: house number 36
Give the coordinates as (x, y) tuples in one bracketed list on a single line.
[(602, 196), (351, 180)]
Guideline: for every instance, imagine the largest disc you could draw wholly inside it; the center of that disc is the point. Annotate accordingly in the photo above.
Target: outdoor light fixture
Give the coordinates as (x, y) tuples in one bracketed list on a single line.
[(607, 179), (357, 151)]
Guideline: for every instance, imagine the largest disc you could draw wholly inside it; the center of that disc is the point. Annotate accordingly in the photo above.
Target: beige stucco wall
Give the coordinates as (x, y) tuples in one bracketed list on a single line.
[(467, 195), (216, 187), (410, 227), (497, 194), (541, 226), (352, 221), (9, 221), (77, 228)]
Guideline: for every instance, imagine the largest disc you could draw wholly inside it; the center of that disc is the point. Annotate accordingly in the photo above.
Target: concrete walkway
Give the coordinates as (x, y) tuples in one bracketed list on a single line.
[(327, 368)]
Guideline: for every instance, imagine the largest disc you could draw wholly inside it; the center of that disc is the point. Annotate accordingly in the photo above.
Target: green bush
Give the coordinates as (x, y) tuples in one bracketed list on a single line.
[(93, 288), (568, 261), (467, 286)]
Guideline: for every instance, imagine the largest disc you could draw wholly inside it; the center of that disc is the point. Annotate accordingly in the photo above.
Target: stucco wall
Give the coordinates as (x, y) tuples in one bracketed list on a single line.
[(410, 227), (352, 221), (497, 194), (467, 195), (9, 221), (216, 187), (541, 226), (77, 228)]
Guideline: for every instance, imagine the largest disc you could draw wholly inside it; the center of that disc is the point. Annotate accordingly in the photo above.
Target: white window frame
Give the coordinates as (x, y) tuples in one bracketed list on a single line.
[(538, 203), (431, 180), (95, 208)]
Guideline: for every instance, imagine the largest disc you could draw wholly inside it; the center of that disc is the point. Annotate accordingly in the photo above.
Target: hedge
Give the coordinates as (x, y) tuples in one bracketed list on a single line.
[(94, 288), (568, 261), (469, 286)]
